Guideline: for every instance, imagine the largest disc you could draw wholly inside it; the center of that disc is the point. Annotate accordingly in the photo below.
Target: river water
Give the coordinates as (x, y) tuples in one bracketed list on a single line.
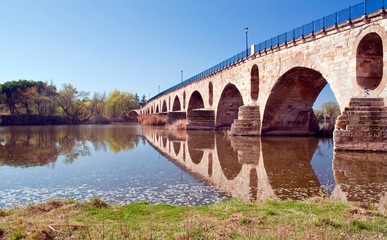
[(129, 163)]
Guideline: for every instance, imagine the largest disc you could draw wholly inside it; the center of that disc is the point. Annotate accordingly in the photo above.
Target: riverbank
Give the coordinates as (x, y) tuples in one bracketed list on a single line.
[(311, 219)]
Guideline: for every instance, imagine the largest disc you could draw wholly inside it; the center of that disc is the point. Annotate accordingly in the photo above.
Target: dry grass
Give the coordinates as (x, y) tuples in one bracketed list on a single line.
[(152, 120), (68, 219), (180, 124)]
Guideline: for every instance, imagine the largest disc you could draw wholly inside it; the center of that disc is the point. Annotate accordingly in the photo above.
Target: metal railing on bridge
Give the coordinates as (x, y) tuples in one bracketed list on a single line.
[(353, 12)]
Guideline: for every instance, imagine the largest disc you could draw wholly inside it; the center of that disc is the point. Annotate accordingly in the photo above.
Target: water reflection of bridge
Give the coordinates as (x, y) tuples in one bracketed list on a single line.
[(270, 167)]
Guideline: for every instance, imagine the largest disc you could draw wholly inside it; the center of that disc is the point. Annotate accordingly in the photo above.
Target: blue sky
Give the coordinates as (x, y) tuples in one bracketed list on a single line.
[(136, 46)]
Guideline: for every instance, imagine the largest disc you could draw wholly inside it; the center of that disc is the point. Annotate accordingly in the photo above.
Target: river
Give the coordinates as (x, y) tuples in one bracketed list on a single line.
[(129, 163)]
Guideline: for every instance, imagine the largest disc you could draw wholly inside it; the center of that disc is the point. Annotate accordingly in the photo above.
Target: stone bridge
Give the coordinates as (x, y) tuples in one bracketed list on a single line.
[(270, 90)]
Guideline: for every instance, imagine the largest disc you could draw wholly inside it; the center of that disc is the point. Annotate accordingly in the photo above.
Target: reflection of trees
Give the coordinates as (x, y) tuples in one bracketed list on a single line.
[(328, 142), (27, 147), (38, 146)]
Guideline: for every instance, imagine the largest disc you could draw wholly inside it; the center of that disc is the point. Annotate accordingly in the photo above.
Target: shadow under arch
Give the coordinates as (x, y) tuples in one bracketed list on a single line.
[(157, 109), (195, 102), (287, 162), (164, 108), (228, 106), (176, 104), (228, 158), (288, 110)]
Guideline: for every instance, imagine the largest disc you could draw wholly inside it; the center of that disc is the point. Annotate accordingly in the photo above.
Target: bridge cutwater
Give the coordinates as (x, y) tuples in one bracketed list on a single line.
[(270, 90)]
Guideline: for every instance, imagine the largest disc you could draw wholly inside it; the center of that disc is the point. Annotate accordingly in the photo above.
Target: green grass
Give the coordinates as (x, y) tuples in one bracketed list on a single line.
[(234, 219)]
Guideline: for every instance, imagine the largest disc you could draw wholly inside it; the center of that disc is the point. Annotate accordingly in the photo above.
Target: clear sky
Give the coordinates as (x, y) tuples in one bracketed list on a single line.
[(136, 46)]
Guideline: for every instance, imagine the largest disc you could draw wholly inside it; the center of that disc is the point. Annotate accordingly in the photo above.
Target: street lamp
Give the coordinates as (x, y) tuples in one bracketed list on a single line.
[(182, 76), (247, 52)]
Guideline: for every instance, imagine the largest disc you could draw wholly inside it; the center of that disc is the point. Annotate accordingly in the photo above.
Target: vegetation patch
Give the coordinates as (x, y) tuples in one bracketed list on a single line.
[(152, 120), (234, 219)]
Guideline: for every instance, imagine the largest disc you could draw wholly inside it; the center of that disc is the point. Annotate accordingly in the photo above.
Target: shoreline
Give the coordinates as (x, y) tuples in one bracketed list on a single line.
[(233, 219)]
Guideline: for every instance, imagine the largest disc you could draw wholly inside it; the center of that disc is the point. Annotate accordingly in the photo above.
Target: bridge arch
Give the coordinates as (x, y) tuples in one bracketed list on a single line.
[(195, 101), (157, 109), (164, 108), (254, 83), (288, 109), (228, 106), (176, 104)]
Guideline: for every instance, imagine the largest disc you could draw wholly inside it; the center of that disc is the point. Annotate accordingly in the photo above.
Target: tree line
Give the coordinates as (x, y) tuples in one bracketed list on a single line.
[(28, 97)]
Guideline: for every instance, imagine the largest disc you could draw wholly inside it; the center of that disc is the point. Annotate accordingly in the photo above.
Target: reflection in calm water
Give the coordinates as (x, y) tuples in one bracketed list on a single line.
[(116, 163), (113, 162), (361, 177), (277, 167)]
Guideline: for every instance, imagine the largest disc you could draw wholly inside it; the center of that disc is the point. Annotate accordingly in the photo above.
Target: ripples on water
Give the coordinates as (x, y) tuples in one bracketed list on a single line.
[(123, 164)]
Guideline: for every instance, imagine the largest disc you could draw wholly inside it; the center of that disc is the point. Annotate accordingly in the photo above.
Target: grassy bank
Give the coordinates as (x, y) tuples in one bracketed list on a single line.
[(312, 219)]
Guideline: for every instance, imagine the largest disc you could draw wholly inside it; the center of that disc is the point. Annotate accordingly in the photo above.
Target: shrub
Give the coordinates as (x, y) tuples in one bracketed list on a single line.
[(180, 124), (102, 119)]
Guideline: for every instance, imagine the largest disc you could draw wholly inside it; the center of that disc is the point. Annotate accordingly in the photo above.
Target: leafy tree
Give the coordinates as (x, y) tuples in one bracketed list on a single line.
[(330, 110), (20, 94), (75, 104), (46, 99), (99, 103), (119, 104), (2, 101)]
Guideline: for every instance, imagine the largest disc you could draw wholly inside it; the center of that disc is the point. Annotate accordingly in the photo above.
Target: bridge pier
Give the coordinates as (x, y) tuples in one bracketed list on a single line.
[(248, 122), (174, 116), (201, 119), (362, 126)]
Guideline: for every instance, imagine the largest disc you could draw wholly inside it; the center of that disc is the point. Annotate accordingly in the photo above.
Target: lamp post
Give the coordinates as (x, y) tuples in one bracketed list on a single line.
[(247, 52), (181, 76)]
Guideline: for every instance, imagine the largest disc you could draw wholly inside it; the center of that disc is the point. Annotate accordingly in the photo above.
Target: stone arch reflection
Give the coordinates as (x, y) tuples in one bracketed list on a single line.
[(255, 168), (228, 158), (287, 162), (176, 147), (197, 141)]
